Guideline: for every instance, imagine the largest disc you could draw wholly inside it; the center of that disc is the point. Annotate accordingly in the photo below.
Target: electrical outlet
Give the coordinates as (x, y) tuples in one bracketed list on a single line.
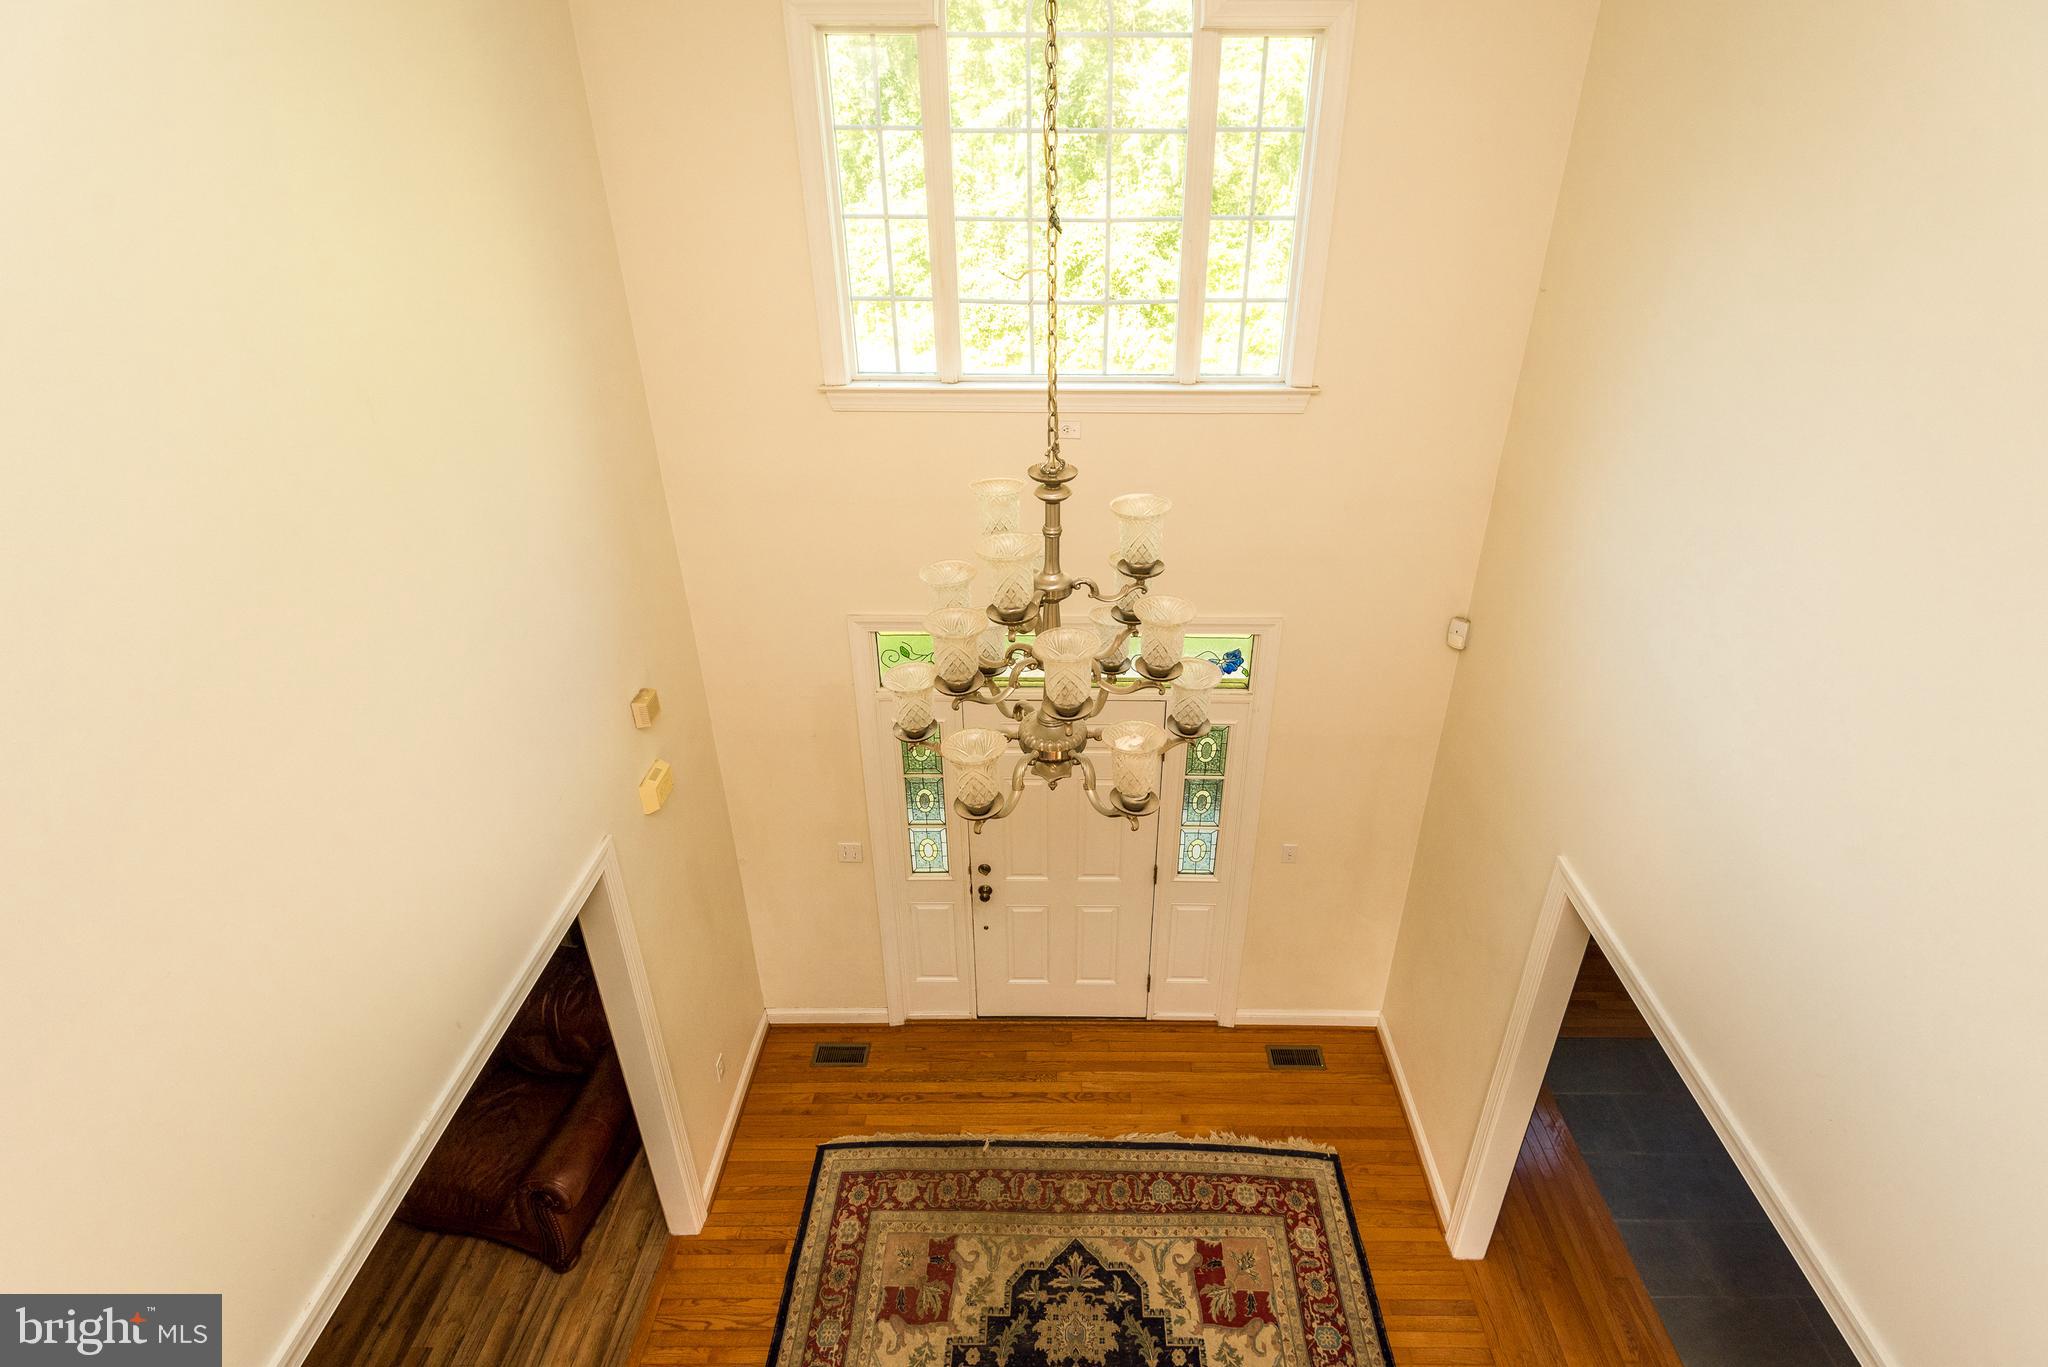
[(1290, 854), (849, 852), (1070, 429), (718, 1067)]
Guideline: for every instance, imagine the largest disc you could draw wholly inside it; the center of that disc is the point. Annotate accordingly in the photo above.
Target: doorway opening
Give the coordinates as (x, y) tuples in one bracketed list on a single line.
[(529, 1223), (1592, 1080), (1719, 1275)]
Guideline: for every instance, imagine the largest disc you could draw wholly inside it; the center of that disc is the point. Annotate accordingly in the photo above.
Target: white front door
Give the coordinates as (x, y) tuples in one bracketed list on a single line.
[(1066, 927)]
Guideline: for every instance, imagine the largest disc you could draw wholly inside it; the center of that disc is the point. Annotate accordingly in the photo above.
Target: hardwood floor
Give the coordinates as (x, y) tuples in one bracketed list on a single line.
[(1600, 1007), (1557, 1290), (450, 1301)]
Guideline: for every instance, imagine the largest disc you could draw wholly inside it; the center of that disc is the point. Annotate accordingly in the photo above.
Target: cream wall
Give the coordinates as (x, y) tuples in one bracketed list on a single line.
[(1758, 633), (334, 546), (1359, 520)]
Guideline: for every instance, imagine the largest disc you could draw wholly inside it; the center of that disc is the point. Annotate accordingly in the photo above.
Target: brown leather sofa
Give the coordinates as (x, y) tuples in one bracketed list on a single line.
[(541, 1140)]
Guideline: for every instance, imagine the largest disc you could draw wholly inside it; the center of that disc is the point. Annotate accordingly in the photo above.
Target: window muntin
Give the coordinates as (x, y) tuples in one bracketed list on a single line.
[(1128, 70)]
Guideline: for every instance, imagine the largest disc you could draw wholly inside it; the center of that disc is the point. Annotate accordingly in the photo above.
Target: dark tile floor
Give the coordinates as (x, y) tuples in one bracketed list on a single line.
[(1729, 1292)]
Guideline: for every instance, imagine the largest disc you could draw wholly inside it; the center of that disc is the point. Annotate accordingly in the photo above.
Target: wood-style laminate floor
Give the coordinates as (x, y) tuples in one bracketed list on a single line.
[(442, 1300), (1557, 1289)]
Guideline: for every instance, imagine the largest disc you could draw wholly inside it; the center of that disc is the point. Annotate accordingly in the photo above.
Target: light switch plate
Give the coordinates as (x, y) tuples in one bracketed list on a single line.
[(849, 852)]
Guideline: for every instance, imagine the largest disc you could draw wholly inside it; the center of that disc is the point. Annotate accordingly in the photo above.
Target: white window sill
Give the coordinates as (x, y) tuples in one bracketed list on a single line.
[(1002, 396)]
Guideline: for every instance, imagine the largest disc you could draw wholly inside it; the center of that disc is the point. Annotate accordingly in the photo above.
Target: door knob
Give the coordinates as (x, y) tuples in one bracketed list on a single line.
[(984, 892), (981, 869)]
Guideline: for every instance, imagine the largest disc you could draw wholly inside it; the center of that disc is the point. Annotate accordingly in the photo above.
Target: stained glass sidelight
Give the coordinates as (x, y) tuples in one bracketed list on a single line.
[(924, 800), (928, 849), (1201, 801), (1211, 753), (924, 808)]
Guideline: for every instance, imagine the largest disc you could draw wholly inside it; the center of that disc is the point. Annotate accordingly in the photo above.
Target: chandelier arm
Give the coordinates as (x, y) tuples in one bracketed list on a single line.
[(1128, 687)]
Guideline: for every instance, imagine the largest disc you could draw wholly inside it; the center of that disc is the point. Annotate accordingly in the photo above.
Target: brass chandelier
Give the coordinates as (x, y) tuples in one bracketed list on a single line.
[(977, 658)]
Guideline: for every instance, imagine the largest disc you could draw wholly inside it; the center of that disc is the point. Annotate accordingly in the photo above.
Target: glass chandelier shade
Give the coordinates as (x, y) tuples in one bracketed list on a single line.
[(1068, 657), (951, 583), (1010, 559), (1187, 699), (1162, 629), (1141, 528), (910, 684), (1001, 502), (956, 644), (973, 754), (1135, 748)]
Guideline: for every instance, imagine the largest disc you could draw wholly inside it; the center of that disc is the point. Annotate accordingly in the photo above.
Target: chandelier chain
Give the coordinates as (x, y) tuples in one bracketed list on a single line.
[(1054, 461)]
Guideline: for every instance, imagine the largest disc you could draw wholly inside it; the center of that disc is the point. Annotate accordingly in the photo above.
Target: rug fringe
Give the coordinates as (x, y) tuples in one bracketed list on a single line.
[(1138, 1137)]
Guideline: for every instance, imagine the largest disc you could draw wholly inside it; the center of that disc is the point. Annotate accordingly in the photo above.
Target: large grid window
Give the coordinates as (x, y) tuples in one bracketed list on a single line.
[(1154, 242)]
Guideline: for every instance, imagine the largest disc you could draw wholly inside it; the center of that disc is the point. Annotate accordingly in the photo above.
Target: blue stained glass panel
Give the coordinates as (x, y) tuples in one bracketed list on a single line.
[(924, 800), (1197, 849), (1210, 754), (1201, 801), (928, 849)]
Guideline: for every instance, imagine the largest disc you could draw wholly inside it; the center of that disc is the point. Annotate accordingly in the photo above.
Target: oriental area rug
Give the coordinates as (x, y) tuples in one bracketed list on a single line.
[(1077, 1253)]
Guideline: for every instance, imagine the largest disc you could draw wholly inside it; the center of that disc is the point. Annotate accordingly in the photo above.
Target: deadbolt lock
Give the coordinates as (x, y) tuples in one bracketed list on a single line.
[(984, 892)]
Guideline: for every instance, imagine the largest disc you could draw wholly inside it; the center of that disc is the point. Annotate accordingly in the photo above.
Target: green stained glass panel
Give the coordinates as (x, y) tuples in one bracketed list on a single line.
[(1210, 754), (1197, 850), (928, 849), (1201, 802), (924, 799), (918, 760)]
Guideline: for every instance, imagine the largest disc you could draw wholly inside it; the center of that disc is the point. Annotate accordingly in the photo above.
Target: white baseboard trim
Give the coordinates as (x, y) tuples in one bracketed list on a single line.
[(828, 1015), (1355, 1020), (732, 1111), (1437, 1193)]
